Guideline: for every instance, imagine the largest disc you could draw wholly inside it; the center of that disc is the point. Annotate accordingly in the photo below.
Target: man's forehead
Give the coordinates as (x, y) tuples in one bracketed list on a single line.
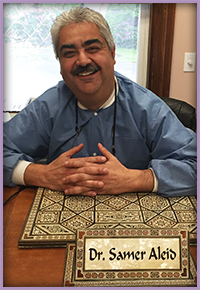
[(79, 34)]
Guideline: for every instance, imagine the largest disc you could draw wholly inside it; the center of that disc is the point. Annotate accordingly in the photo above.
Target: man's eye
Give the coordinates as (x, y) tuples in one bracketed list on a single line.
[(93, 49), (69, 54)]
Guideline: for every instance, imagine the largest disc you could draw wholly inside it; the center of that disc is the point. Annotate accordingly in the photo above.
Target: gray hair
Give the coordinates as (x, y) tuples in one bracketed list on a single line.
[(76, 15)]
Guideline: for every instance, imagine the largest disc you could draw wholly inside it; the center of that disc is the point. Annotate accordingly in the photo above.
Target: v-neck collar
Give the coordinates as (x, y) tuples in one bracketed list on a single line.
[(109, 101)]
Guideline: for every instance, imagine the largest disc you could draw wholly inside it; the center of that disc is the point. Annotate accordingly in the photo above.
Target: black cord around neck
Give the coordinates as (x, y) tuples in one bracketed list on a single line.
[(114, 121), (78, 129)]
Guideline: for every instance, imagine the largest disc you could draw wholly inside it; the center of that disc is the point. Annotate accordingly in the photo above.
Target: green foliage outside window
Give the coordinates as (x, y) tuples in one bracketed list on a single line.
[(28, 53), (30, 23), (123, 21)]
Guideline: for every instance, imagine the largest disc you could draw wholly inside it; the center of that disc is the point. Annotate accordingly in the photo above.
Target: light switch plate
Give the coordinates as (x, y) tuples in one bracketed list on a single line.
[(189, 62)]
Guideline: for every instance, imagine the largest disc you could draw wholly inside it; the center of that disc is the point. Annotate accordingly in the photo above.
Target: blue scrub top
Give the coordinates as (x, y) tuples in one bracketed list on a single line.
[(147, 134)]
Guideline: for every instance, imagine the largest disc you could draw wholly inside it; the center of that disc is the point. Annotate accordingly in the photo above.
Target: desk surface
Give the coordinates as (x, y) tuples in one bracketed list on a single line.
[(31, 267)]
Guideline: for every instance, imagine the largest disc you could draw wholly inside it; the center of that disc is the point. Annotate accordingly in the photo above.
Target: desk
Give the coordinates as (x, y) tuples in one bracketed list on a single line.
[(31, 267), (27, 267)]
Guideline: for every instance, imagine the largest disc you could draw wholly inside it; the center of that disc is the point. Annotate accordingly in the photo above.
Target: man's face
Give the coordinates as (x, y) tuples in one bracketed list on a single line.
[(87, 64)]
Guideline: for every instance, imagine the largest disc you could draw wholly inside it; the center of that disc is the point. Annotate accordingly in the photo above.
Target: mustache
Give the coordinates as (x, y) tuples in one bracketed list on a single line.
[(87, 68)]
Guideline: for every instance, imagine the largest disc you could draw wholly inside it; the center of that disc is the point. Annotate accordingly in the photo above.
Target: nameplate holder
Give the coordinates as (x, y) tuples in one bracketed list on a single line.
[(118, 254)]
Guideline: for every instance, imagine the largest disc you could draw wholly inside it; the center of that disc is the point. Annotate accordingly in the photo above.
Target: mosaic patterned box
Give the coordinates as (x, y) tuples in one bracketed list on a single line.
[(54, 218), (77, 273)]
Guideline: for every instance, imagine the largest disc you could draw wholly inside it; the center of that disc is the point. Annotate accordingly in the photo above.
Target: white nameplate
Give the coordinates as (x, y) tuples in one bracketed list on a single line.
[(107, 254), (132, 253)]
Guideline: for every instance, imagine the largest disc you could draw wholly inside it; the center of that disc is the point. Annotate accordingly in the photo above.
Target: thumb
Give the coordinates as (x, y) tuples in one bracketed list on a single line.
[(104, 151), (74, 150)]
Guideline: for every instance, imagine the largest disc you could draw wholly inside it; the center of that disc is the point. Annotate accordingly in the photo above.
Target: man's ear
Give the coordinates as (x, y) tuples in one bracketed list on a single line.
[(60, 68), (113, 54)]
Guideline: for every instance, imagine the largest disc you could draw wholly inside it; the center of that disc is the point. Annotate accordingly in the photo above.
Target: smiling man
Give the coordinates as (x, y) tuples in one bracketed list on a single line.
[(100, 132), (87, 64)]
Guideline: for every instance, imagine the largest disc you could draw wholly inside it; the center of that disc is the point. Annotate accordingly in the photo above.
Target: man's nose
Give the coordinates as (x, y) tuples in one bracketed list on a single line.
[(83, 58)]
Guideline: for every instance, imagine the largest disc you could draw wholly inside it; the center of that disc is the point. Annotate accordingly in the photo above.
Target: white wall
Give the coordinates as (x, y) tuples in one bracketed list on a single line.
[(184, 84)]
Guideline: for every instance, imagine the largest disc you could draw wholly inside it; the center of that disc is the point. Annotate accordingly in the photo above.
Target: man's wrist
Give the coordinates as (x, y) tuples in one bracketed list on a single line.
[(139, 181), (34, 175)]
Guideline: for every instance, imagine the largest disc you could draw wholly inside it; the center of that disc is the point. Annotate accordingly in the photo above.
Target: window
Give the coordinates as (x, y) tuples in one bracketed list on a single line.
[(30, 66)]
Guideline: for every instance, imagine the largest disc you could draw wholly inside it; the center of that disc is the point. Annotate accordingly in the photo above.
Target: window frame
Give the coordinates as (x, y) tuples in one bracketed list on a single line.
[(161, 35)]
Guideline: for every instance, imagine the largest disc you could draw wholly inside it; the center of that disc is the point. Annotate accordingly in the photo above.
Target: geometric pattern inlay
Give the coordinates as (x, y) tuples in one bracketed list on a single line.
[(161, 222), (188, 216), (117, 203), (54, 218), (118, 216), (155, 203), (79, 204), (76, 222)]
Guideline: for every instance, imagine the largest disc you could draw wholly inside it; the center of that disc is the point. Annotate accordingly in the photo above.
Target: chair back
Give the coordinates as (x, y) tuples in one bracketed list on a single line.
[(184, 111)]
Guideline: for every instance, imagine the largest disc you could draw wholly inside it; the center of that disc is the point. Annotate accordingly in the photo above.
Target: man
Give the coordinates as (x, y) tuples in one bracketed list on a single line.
[(93, 112)]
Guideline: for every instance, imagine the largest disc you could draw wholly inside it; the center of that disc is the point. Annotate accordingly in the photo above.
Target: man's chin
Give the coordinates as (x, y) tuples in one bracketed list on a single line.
[(88, 90), (88, 85), (84, 85)]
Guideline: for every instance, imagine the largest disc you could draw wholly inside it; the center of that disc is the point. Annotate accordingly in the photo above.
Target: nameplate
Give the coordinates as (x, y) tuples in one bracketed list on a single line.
[(132, 254)]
